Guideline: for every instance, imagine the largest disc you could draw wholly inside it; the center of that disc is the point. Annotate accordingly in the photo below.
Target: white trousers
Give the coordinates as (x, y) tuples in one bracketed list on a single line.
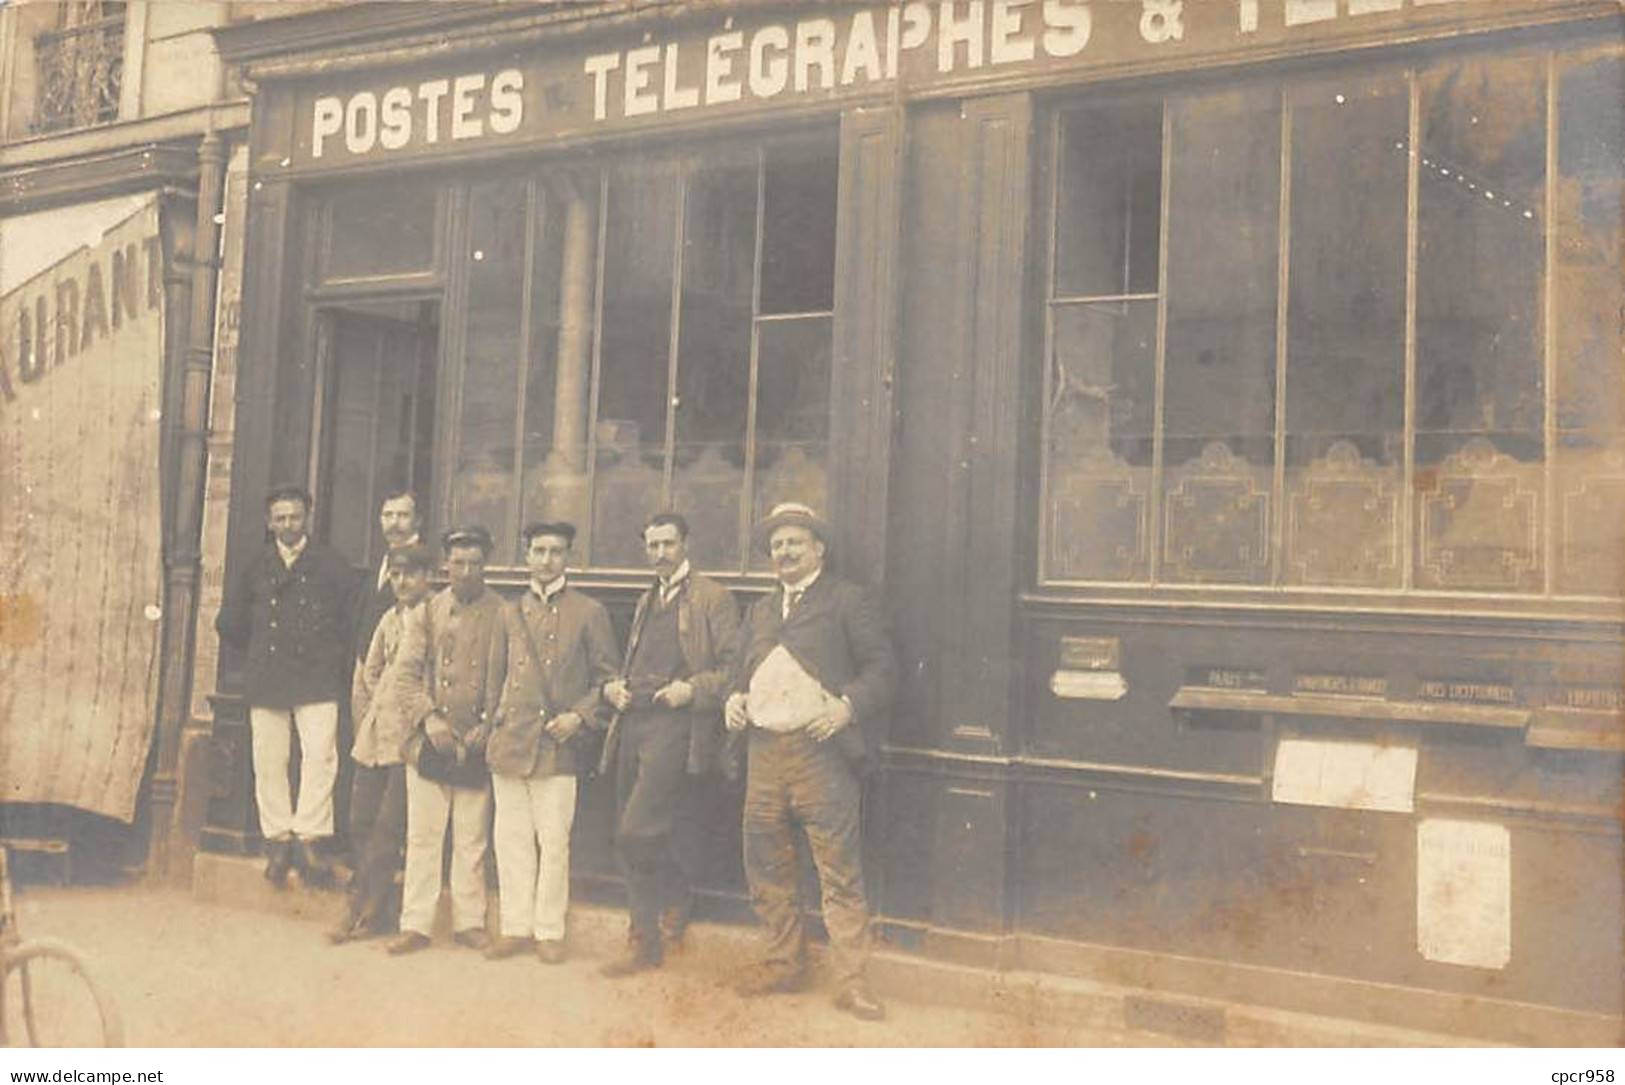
[(533, 853), (428, 805), (272, 739)]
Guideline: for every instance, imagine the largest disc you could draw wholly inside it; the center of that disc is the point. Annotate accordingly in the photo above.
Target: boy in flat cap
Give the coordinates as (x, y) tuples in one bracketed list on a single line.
[(445, 771), (388, 698), (561, 651), (815, 671)]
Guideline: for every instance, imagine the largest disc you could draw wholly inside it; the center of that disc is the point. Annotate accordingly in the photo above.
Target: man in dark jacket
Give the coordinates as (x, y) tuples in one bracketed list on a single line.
[(668, 729), (815, 672), (290, 613), (401, 524)]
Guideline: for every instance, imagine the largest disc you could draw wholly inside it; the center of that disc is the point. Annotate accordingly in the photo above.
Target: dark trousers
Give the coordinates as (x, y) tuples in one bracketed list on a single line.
[(651, 781), (796, 781), (377, 836)]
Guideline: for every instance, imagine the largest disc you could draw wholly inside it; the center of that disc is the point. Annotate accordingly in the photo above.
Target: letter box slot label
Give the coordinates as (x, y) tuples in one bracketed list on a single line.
[(1464, 892), (1091, 653), (1346, 775), (1088, 685)]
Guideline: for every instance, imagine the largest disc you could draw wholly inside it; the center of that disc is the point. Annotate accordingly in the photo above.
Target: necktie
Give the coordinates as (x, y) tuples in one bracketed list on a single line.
[(792, 600)]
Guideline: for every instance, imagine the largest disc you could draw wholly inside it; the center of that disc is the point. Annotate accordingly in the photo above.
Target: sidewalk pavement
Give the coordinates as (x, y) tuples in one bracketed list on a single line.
[(187, 971)]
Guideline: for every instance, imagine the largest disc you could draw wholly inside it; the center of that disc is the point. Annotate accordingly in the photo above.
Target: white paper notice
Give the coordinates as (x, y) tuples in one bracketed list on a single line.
[(1088, 685), (1348, 775), (1464, 892)]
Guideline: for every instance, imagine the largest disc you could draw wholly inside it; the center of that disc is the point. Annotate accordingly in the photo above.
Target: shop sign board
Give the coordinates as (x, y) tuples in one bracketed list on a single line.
[(742, 63)]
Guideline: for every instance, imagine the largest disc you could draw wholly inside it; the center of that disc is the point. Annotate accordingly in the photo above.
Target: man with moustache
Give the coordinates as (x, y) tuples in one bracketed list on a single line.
[(388, 698), (467, 663), (289, 611), (401, 524), (668, 729), (561, 651), (814, 673)]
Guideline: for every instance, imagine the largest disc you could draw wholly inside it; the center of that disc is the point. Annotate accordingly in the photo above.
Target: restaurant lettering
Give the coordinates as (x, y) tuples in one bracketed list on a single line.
[(55, 317), (831, 53)]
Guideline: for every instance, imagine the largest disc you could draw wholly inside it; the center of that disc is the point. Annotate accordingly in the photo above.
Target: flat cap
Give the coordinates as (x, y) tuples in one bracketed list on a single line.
[(467, 535)]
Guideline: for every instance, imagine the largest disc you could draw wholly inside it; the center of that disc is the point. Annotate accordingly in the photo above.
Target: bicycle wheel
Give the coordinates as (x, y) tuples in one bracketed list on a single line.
[(50, 999)]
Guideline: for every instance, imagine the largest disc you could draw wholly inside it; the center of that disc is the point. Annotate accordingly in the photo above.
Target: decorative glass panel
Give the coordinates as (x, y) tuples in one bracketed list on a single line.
[(1219, 415), (1102, 384), (1345, 371), (483, 486), (635, 358), (1480, 397)]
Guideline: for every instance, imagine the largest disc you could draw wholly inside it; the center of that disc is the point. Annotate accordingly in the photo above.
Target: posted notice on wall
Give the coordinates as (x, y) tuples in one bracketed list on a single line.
[(1464, 892), (1346, 775)]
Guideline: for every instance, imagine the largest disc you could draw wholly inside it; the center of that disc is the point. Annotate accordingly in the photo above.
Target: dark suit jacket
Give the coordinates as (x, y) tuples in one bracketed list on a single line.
[(574, 658), (838, 634), (708, 634), (372, 603), (294, 624)]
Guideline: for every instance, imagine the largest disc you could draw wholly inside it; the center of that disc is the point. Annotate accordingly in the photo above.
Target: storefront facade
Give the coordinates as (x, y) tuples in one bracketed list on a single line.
[(1225, 398)]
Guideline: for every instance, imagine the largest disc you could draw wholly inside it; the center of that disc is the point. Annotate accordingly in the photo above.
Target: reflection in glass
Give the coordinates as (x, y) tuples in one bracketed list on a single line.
[(384, 227), (798, 227), (482, 486), (1480, 396), (713, 356), (1107, 231), (792, 417), (1345, 371), (563, 279), (635, 357)]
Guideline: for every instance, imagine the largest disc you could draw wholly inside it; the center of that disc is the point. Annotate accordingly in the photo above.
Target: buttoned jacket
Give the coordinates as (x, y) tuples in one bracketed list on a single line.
[(468, 658), (293, 625), (708, 637), (838, 635), (575, 653), (390, 694)]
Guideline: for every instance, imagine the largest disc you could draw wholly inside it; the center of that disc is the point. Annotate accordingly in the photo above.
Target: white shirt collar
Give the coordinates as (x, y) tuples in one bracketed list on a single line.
[(547, 592), (290, 554), (804, 584), (667, 587)]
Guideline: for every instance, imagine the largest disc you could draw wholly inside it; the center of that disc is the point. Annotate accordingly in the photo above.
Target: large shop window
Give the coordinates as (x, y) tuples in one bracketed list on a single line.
[(652, 333), (1354, 330)]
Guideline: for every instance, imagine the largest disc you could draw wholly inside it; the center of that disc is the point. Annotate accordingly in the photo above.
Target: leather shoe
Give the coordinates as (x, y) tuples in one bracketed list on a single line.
[(550, 950), (857, 1000), (636, 959), (278, 861), (408, 942), (506, 947), (766, 979), (473, 938), (312, 867), (352, 929)]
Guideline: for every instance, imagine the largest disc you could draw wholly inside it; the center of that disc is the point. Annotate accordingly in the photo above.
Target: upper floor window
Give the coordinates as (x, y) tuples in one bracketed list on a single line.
[(1354, 329), (79, 65)]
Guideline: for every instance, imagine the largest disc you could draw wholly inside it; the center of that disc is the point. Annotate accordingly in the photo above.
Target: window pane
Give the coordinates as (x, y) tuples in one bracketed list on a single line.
[(713, 357), (1480, 405), (1220, 353), (1099, 455), (483, 487), (635, 358), (1107, 234), (792, 417), (1590, 375), (383, 227), (563, 278), (798, 244), (1345, 370)]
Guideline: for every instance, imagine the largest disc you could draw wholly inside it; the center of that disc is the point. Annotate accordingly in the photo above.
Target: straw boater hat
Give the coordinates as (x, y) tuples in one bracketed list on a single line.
[(791, 512)]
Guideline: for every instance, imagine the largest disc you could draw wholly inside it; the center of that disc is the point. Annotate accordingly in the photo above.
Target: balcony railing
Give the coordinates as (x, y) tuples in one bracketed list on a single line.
[(80, 71)]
